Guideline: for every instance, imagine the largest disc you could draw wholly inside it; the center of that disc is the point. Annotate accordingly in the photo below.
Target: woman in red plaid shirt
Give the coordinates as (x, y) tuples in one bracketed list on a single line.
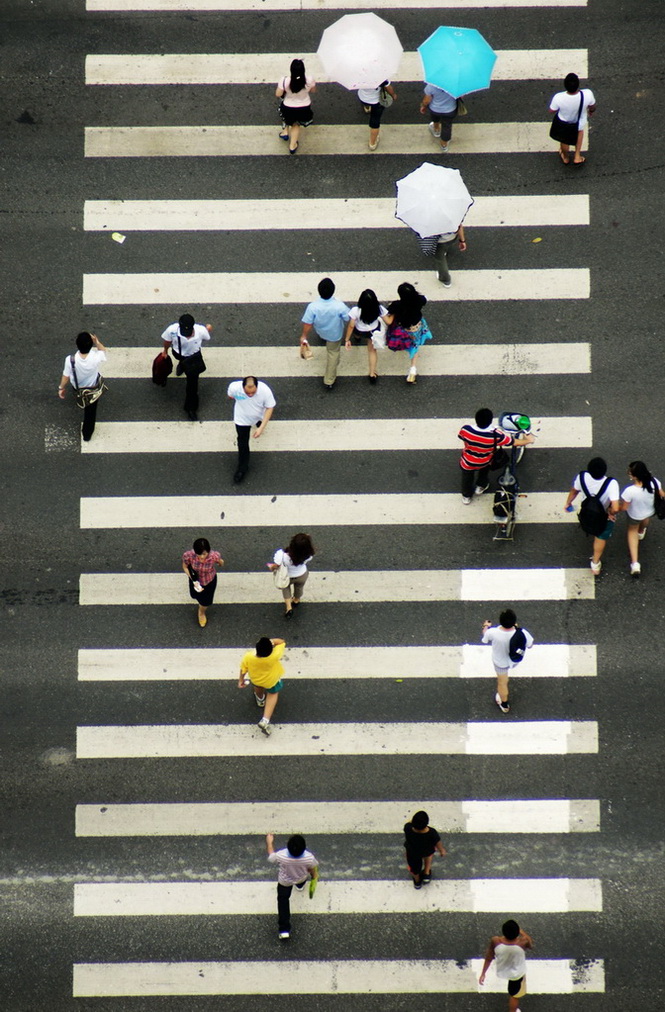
[(199, 563)]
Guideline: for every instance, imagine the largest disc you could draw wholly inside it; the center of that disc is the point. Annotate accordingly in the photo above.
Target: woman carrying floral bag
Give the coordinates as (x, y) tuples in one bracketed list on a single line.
[(407, 328)]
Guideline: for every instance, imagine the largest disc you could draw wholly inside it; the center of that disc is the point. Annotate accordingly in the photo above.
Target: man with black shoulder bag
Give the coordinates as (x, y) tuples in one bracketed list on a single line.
[(82, 369), (184, 339)]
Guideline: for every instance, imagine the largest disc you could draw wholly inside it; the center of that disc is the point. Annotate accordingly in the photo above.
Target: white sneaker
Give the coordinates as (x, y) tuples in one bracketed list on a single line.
[(260, 700), (466, 499), (595, 567), (642, 535), (434, 132), (284, 936), (264, 725), (635, 569), (481, 488)]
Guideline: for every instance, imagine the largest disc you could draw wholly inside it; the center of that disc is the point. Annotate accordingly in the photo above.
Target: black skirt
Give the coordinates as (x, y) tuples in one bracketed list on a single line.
[(292, 115), (204, 597)]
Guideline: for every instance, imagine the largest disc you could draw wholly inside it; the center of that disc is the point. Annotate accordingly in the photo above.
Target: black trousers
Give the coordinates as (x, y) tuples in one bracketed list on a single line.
[(470, 479), (192, 384), (243, 432), (284, 905), (89, 419)]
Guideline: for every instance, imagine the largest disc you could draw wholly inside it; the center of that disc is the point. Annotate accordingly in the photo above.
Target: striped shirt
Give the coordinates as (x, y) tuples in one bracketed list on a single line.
[(292, 870), (479, 445)]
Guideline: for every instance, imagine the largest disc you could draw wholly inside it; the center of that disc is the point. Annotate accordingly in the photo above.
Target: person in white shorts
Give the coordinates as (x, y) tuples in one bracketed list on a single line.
[(500, 637), (638, 501)]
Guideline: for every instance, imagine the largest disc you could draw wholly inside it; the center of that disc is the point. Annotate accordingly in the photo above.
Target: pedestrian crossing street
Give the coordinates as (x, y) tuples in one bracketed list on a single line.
[(140, 812)]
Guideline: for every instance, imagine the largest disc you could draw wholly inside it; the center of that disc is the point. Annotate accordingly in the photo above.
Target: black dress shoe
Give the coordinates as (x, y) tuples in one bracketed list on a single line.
[(192, 415), (328, 386), (238, 477), (374, 379)]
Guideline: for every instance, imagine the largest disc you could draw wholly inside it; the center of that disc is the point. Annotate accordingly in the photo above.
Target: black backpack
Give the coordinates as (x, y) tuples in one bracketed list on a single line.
[(517, 646), (593, 515)]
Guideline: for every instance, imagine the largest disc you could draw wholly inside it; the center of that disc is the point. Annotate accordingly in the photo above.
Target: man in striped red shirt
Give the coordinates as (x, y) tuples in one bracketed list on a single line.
[(480, 442)]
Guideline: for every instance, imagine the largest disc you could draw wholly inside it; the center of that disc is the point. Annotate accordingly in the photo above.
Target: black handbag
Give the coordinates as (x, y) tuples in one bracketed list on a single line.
[(659, 505), (190, 365), (499, 456), (566, 133)]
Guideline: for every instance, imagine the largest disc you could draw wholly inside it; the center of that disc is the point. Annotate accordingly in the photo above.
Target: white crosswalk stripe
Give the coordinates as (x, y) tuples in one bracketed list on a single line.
[(304, 511), (449, 360), (535, 816), (256, 288), (544, 660), (194, 899), (316, 436), (350, 586), (318, 214), (546, 976), (146, 741), (268, 68), (235, 141), (314, 5)]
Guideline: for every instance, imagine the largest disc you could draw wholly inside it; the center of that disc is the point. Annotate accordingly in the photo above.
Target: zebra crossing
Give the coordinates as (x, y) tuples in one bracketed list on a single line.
[(107, 667)]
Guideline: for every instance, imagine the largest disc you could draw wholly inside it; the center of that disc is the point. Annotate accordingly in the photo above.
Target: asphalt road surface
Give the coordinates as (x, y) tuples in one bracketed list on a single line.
[(133, 863)]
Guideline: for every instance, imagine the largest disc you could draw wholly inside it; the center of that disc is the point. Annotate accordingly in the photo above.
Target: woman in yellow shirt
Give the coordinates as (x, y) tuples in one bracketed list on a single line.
[(263, 668)]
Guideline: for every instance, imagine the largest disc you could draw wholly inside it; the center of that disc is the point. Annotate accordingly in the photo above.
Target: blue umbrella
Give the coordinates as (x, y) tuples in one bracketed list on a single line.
[(459, 60)]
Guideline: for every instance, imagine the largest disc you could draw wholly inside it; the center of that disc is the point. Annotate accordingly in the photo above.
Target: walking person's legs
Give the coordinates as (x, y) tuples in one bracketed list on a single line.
[(372, 356), (271, 696), (446, 130), (599, 544), (243, 433), (501, 697), (191, 404), (332, 362), (414, 863), (89, 419), (294, 134), (298, 588), (284, 910), (375, 113), (482, 480), (635, 533), (441, 257), (578, 159), (413, 372), (468, 485)]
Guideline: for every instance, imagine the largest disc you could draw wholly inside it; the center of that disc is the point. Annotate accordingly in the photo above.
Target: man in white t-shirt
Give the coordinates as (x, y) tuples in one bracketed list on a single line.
[(184, 339), (508, 952), (567, 106), (254, 405), (595, 480), (82, 369), (500, 637), (296, 864)]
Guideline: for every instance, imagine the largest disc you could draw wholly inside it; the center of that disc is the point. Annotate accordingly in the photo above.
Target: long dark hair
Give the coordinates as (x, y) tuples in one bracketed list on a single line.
[(639, 470), (411, 302), (368, 304), (300, 548), (297, 82)]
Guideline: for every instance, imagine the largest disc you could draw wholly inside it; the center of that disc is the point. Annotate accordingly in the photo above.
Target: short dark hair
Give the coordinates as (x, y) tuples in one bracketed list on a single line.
[(84, 342), (508, 618), (186, 324), (571, 83), (484, 417), (264, 647), (248, 378), (420, 820), (597, 467), (510, 930), (326, 288), (201, 545), (296, 845)]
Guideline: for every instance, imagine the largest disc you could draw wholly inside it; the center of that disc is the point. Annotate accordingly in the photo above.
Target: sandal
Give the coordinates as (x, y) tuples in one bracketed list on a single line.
[(581, 161), (566, 161)]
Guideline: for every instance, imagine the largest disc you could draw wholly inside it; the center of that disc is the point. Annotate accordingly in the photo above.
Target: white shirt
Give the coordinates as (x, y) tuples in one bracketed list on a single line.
[(500, 639), (567, 106), (370, 96), (292, 870), (510, 961), (87, 369), (293, 570), (360, 325), (297, 99), (249, 410), (595, 484), (189, 345), (641, 502)]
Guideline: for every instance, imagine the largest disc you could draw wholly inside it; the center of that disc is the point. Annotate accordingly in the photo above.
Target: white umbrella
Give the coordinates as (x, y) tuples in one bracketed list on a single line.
[(360, 51), (432, 200)]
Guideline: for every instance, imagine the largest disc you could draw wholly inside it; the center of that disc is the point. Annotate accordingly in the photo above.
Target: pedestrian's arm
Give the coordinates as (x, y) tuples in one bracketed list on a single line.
[(264, 421), (424, 102), (314, 871), (461, 237), (525, 440), (391, 91), (306, 331), (572, 495), (64, 380), (591, 109), (526, 941), (489, 956), (349, 331), (277, 642), (279, 92), (615, 507), (270, 839), (241, 678), (440, 849), (97, 343), (165, 349)]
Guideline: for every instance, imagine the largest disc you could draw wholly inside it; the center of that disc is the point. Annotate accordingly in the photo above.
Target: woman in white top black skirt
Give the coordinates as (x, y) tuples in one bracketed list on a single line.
[(638, 501), (365, 321), (296, 106), (299, 552)]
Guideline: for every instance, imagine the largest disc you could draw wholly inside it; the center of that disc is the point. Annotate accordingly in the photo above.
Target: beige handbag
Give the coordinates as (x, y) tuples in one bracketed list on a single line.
[(305, 350)]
